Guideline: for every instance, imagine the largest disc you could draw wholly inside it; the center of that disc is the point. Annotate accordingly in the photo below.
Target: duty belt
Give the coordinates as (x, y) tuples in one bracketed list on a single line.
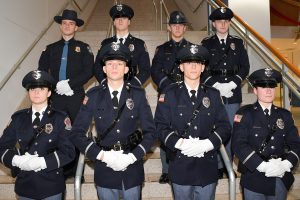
[(116, 147), (223, 72)]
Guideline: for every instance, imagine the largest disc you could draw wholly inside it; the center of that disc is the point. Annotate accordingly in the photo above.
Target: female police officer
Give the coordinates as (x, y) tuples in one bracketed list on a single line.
[(266, 141), (41, 133)]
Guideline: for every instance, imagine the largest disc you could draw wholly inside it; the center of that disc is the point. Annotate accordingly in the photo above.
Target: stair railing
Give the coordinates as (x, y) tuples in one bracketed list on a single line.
[(164, 9)]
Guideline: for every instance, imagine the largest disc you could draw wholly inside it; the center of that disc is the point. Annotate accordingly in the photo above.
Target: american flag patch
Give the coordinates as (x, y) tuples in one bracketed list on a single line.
[(161, 98), (238, 118)]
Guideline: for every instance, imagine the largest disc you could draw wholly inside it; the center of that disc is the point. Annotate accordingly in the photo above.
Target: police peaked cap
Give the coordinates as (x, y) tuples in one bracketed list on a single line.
[(221, 13), (69, 15), (38, 78), (121, 10), (115, 51), (177, 17), (266, 78), (193, 52)]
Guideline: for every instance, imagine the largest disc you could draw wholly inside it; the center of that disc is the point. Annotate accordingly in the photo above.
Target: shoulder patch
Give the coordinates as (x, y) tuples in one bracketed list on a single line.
[(85, 100), (161, 98)]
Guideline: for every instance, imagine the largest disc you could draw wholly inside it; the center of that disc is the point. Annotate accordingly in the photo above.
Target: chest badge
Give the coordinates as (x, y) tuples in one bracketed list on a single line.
[(131, 47), (130, 103), (77, 49), (48, 128), (232, 46), (206, 102), (280, 123)]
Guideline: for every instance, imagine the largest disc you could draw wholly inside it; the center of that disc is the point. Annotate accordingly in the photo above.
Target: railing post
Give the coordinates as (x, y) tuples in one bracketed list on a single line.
[(77, 181), (286, 98), (161, 17), (209, 23)]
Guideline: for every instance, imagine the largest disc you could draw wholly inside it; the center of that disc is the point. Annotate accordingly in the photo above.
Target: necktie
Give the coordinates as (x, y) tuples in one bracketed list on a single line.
[(36, 122), (121, 40), (115, 99), (223, 42), (266, 111), (63, 63), (193, 97)]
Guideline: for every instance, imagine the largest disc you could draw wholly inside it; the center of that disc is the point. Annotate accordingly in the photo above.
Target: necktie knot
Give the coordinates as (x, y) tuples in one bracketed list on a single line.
[(37, 114), (66, 42), (115, 99), (266, 111), (36, 121), (222, 42), (115, 93), (193, 97), (121, 40)]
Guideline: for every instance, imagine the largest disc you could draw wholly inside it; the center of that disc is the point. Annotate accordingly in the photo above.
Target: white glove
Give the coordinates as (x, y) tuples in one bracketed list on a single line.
[(278, 168), (198, 147), (222, 87), (123, 161), (232, 85), (34, 164), (17, 160), (229, 94), (262, 167), (109, 157), (184, 144), (63, 88)]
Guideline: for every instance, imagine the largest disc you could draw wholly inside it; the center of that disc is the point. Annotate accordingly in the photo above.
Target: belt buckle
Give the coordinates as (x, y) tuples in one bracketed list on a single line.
[(117, 147)]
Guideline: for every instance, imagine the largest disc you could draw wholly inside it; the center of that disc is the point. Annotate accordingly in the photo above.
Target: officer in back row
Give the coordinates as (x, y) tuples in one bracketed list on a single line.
[(125, 128), (140, 71), (266, 141), (192, 122), (40, 134), (164, 69), (228, 66)]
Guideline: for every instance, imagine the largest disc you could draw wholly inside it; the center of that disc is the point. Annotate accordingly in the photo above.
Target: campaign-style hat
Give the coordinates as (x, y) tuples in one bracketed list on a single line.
[(193, 52), (38, 78), (121, 10), (266, 78), (177, 17), (70, 15), (115, 51), (221, 13)]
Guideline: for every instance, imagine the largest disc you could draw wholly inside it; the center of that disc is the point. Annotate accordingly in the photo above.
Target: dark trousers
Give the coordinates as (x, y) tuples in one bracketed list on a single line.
[(185, 192)]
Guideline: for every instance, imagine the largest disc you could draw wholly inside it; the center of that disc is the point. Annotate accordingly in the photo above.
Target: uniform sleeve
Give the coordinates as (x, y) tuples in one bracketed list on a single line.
[(147, 126), (143, 66), (86, 68), (240, 141), (79, 130), (292, 140), (7, 143), (65, 150), (98, 68), (44, 62), (157, 69)]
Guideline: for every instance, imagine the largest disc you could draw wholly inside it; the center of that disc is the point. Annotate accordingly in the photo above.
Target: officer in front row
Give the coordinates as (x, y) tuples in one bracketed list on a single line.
[(266, 141), (125, 128), (40, 133), (192, 123)]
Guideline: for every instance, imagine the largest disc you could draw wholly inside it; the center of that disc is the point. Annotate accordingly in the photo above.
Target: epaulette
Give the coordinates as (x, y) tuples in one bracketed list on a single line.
[(207, 86), (206, 38), (246, 108), (95, 89), (134, 86), (171, 86), (21, 111)]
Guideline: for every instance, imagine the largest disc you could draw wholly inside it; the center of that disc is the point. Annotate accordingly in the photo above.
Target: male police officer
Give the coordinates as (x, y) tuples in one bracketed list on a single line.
[(228, 66), (70, 62), (164, 69), (193, 123), (266, 141), (140, 61), (120, 112), (41, 133)]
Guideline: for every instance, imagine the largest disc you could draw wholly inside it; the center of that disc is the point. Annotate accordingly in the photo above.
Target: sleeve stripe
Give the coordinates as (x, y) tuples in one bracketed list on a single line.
[(248, 157), (87, 148), (57, 159), (142, 148), (207, 79), (218, 137), (168, 137), (136, 78), (239, 77), (2, 157), (295, 155), (161, 81)]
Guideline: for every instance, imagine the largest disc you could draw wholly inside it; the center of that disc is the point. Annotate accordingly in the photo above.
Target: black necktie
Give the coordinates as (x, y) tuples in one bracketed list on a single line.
[(222, 42), (115, 99), (266, 111), (36, 122), (121, 40), (193, 97)]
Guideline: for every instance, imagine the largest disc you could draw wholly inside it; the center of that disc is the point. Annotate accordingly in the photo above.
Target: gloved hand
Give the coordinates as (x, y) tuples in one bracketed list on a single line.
[(262, 167), (198, 147), (232, 85), (17, 160), (34, 164), (229, 94), (63, 88), (123, 161), (184, 144), (222, 87), (277, 168), (109, 157)]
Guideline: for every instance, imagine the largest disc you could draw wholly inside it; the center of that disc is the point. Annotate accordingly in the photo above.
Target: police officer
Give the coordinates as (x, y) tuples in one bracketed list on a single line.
[(139, 73), (41, 134), (266, 141), (125, 128), (70, 62), (228, 67), (192, 123), (164, 69)]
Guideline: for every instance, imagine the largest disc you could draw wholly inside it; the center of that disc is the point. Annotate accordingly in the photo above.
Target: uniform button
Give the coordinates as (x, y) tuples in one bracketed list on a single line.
[(212, 54), (272, 147), (223, 49), (272, 138), (283, 135), (224, 63), (208, 114), (180, 114), (195, 127), (118, 120), (225, 79), (20, 140), (100, 117), (118, 131), (57, 172), (50, 140), (35, 143), (132, 116), (256, 135), (35, 152)]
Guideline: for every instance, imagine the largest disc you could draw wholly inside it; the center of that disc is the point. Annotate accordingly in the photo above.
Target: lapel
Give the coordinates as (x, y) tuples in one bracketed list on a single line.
[(260, 115), (124, 94)]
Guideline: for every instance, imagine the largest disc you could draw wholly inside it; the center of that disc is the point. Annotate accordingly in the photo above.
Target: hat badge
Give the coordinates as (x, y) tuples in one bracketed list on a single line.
[(223, 10), (36, 74), (177, 16), (119, 7), (194, 49), (115, 46), (268, 72)]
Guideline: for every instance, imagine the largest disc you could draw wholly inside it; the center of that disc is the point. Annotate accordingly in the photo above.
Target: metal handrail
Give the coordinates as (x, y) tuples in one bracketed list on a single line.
[(155, 8), (164, 8)]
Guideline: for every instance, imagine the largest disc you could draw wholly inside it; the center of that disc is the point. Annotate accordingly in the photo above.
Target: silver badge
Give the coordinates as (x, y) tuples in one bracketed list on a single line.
[(119, 7), (268, 72), (177, 16), (223, 10), (115, 46), (48, 128), (131, 47), (280, 123), (232, 46), (129, 103), (206, 102), (36, 74), (194, 49)]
